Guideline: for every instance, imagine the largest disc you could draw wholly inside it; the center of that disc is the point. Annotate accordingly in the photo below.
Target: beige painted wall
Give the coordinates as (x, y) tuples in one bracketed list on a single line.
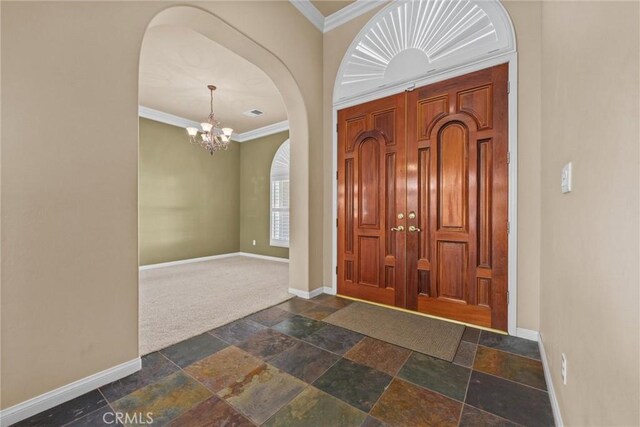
[(526, 20), (589, 294), (189, 201), (255, 171), (69, 175)]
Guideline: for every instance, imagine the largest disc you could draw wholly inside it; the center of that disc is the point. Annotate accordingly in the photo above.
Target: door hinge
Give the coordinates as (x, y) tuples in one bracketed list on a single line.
[(508, 157), (508, 299), (509, 87), (508, 227), (336, 270), (336, 222), (337, 124), (337, 175)]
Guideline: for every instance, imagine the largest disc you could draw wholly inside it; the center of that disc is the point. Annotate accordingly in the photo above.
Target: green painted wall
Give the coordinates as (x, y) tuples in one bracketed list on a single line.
[(192, 205), (188, 201), (255, 168)]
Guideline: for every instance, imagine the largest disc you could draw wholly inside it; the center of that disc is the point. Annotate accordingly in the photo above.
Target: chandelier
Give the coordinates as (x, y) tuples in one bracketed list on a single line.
[(212, 137)]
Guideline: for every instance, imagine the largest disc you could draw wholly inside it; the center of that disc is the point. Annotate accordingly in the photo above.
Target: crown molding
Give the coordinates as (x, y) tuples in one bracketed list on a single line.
[(170, 119), (162, 117), (347, 13), (344, 15), (310, 12), (263, 131)]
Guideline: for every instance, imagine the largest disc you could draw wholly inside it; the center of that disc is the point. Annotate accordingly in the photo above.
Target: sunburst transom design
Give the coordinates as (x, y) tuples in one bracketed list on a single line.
[(408, 39)]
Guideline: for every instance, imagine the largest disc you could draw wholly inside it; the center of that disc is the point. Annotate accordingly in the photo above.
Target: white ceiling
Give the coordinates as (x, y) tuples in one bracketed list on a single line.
[(177, 64)]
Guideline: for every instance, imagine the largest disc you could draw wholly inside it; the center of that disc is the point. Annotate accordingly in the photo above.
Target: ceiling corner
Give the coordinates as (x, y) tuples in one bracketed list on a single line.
[(310, 12)]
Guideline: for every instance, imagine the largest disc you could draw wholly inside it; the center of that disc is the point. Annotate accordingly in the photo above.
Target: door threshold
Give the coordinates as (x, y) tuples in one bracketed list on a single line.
[(471, 325)]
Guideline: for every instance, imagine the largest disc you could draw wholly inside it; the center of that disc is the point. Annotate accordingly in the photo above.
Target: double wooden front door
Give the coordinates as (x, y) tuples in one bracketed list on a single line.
[(422, 199)]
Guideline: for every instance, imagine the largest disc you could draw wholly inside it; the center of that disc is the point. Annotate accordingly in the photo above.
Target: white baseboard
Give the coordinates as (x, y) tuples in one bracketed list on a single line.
[(68, 392), (555, 406), (188, 261), (329, 290), (305, 294), (268, 258), (527, 334)]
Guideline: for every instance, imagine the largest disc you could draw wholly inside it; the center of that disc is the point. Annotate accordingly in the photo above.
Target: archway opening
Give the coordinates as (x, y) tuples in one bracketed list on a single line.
[(265, 78)]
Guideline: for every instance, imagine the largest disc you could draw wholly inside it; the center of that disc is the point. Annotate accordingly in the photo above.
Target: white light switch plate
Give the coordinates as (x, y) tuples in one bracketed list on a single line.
[(566, 178)]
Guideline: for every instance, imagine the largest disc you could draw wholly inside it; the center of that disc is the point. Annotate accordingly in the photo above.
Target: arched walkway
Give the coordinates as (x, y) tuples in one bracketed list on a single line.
[(214, 28)]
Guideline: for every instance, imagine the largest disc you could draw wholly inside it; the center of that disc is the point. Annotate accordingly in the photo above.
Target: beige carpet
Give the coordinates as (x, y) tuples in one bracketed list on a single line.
[(182, 301), (434, 337)]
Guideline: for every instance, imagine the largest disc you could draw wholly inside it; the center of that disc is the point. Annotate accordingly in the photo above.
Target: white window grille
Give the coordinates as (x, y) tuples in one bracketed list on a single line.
[(279, 228)]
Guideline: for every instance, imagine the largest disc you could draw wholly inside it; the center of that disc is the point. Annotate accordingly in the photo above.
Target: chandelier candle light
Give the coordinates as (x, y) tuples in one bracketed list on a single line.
[(212, 137)]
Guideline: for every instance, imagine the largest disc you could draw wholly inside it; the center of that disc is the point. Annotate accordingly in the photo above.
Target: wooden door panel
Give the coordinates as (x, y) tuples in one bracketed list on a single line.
[(424, 207), (457, 262), (371, 182), (485, 190), (452, 270), (453, 177), (368, 261), (429, 111), (478, 103)]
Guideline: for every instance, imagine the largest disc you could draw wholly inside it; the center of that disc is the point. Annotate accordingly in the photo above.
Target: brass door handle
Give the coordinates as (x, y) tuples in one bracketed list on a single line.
[(398, 228), (414, 229)]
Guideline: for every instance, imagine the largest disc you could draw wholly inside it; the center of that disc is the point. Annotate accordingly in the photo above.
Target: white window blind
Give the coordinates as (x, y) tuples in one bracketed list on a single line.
[(280, 197)]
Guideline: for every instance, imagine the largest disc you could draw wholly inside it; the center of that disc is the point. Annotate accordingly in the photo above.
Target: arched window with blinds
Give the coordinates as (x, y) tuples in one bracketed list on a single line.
[(279, 228)]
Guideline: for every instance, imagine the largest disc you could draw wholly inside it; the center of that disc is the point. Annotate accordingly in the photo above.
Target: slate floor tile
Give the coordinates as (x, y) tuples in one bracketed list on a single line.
[(465, 354), (154, 367), (404, 404), (515, 402), (356, 384), (472, 417), (238, 331), (103, 417), (379, 355), (436, 374), (319, 312), (510, 344), (267, 343), (331, 301), (304, 361), (270, 316), (298, 326), (262, 393), (66, 412), (335, 339), (164, 400), (224, 368), (188, 351), (213, 412), (296, 305), (313, 408), (373, 422), (510, 366), (471, 334)]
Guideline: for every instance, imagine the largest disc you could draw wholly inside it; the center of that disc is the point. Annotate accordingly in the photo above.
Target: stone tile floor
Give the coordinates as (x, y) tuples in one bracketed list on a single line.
[(283, 366)]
